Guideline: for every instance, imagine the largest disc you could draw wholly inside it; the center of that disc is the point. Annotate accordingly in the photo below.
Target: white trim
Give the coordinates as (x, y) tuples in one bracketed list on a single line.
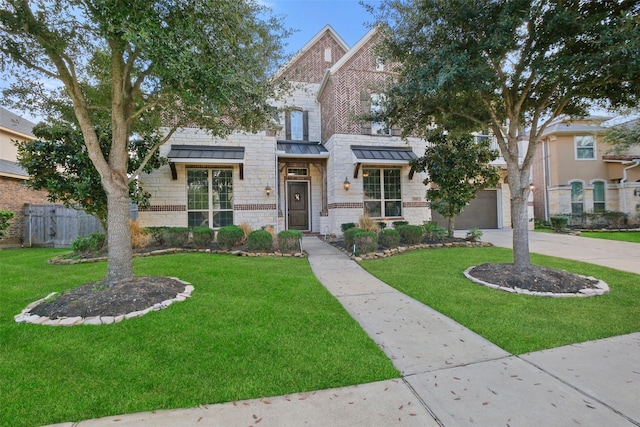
[(575, 148), (196, 161)]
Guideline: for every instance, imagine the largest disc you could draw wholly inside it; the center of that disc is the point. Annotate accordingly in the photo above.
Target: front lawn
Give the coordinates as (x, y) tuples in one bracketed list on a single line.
[(622, 236), (254, 327), (517, 323)]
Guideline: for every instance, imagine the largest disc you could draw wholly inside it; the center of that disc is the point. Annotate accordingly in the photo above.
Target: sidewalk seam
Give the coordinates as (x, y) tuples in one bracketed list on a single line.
[(582, 392), (422, 402)]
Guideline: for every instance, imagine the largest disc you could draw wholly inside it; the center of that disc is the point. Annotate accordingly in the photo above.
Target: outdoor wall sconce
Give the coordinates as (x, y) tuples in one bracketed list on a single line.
[(532, 187), (346, 184), (267, 190)]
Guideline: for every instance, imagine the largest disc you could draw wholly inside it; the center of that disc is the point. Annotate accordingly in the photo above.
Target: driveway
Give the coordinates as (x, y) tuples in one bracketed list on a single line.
[(623, 256)]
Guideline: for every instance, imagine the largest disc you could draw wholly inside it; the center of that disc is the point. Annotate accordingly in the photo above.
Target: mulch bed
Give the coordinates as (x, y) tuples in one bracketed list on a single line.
[(94, 299), (535, 278)]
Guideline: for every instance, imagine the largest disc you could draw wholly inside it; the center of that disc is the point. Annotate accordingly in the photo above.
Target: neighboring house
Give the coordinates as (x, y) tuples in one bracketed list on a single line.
[(576, 172), (323, 168), (13, 191)]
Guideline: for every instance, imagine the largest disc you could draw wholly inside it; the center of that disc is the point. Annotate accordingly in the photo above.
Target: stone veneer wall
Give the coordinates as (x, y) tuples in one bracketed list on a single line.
[(14, 194), (347, 206), (251, 203)]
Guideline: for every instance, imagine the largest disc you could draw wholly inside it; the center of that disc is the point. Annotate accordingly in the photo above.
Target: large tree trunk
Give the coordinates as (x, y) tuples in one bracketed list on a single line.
[(120, 258), (518, 181)]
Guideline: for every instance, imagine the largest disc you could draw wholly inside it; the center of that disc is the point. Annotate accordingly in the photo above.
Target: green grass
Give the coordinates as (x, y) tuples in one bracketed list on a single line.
[(622, 236), (254, 327), (517, 323)]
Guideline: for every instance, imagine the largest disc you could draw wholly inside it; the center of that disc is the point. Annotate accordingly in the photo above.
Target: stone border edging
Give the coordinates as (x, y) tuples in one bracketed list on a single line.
[(402, 249), (26, 317), (600, 289), (66, 261)]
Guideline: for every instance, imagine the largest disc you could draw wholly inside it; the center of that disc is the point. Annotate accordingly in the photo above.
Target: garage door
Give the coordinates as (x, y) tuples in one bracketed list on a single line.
[(482, 212)]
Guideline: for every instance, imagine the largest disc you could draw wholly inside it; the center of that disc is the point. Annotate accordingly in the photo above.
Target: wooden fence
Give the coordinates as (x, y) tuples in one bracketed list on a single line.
[(58, 226)]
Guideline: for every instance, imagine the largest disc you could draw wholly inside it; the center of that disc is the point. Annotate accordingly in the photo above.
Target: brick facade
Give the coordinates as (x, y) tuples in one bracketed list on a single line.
[(14, 194)]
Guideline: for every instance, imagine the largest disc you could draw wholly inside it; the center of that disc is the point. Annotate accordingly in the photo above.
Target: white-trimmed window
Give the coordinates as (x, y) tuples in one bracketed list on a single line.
[(599, 198), (297, 125), (382, 192), (577, 198), (378, 127), (209, 197), (585, 147)]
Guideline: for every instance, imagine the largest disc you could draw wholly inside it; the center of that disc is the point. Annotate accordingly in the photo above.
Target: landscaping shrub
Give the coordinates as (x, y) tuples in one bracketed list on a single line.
[(176, 237), (349, 237), (410, 234), (140, 236), (365, 242), (5, 218), (246, 229), (615, 219), (202, 236), (474, 235), (230, 236), (289, 240), (389, 238), (433, 231), (89, 244), (366, 223), (396, 224), (559, 222), (381, 225), (347, 225), (260, 240)]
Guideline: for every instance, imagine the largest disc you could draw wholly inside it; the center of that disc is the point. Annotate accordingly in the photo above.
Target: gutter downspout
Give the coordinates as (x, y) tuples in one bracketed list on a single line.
[(634, 163)]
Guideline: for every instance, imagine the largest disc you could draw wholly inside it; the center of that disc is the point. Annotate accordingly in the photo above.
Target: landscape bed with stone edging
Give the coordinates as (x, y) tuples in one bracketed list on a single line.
[(27, 317), (402, 249), (63, 260)]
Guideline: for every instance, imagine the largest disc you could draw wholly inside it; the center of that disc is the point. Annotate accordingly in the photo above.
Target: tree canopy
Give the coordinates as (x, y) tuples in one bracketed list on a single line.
[(173, 63), (510, 67), (458, 167)]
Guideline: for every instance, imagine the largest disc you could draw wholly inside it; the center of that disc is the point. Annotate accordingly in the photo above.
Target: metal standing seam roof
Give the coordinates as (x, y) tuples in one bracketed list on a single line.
[(205, 153), (382, 154), (302, 149)]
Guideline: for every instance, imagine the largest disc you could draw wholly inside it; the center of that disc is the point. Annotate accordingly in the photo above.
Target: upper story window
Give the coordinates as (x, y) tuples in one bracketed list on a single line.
[(378, 127), (599, 203), (297, 125), (577, 198), (585, 146)]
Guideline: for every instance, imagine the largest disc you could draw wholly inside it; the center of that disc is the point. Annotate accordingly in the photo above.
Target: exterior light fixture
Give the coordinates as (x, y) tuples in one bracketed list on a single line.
[(532, 187), (346, 184), (267, 190)]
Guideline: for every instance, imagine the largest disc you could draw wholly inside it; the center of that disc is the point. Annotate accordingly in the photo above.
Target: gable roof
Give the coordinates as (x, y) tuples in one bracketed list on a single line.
[(345, 58), (15, 124), (326, 29)]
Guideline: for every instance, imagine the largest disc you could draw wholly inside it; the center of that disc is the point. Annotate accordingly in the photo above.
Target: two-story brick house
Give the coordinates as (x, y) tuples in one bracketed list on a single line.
[(576, 172), (13, 191), (323, 168)]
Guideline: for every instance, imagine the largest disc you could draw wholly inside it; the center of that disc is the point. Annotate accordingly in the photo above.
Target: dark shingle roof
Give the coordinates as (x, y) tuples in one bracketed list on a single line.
[(15, 123), (12, 168), (302, 149), (382, 154), (204, 152)]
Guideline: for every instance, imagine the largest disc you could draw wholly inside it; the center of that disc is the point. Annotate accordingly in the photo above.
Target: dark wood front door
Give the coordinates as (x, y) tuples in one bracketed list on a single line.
[(298, 205)]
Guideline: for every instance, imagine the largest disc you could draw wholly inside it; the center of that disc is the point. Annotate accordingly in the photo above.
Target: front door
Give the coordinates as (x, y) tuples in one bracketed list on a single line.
[(298, 205)]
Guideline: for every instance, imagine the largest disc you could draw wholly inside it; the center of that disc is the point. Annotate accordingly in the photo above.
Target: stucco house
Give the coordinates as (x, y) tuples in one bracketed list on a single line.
[(323, 168), (13, 192), (576, 172)]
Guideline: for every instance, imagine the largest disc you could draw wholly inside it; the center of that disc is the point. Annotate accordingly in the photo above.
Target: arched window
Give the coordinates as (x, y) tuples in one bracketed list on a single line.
[(599, 202), (577, 198)]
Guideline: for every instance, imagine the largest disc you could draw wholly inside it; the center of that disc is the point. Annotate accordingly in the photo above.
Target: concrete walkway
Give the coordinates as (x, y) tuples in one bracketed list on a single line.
[(451, 376)]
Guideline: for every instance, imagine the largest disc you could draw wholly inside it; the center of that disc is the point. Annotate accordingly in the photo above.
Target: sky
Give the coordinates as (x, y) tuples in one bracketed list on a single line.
[(347, 17)]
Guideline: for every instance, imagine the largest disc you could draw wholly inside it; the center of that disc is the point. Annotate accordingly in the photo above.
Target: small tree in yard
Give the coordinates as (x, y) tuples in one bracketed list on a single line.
[(458, 168), (168, 64), (508, 66), (5, 218)]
